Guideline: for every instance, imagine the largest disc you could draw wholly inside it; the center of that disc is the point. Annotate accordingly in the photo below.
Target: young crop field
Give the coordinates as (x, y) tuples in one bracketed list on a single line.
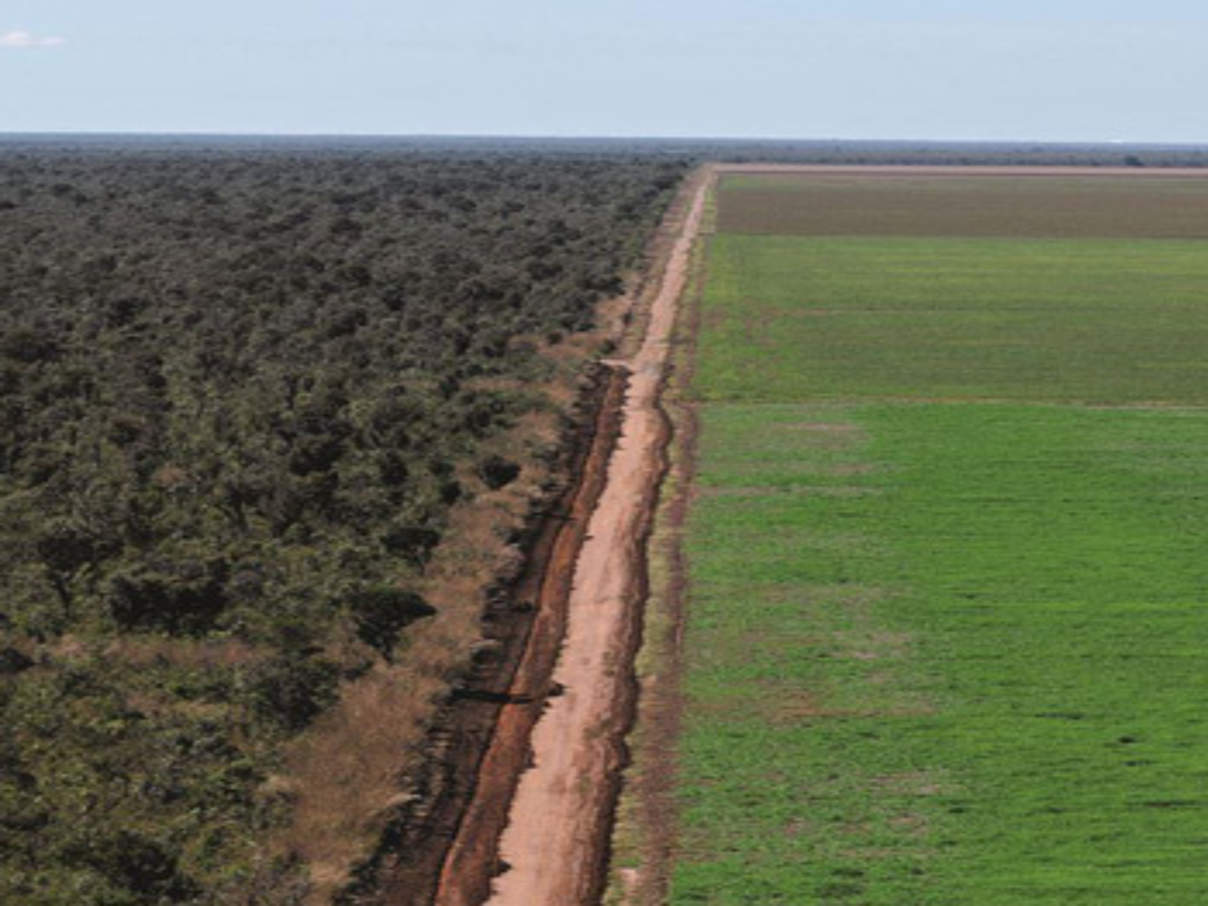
[(946, 639), (1028, 319)]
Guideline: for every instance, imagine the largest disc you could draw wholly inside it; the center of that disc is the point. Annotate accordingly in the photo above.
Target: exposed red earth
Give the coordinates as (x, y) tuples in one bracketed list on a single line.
[(553, 849)]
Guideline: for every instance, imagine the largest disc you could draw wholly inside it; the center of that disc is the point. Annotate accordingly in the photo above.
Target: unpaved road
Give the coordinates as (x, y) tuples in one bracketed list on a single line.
[(556, 837), (555, 843)]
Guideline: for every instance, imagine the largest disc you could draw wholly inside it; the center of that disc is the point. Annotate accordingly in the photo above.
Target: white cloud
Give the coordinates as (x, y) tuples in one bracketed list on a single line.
[(20, 38)]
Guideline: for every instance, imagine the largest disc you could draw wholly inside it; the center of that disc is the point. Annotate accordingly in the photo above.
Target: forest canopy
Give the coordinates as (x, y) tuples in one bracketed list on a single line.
[(238, 388)]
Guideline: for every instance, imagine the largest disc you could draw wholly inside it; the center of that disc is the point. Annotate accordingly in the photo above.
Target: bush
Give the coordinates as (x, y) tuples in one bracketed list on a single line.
[(497, 472), (184, 598), (380, 614), (144, 871), (234, 385), (291, 690)]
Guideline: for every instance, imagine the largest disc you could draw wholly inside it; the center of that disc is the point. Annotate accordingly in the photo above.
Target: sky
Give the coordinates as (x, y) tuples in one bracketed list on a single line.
[(1027, 70)]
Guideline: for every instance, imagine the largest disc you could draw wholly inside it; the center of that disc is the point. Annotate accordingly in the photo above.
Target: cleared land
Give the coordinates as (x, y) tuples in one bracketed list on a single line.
[(946, 627), (986, 202), (568, 719)]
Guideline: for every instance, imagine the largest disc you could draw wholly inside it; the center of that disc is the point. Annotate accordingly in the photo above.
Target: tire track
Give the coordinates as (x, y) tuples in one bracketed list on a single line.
[(553, 851)]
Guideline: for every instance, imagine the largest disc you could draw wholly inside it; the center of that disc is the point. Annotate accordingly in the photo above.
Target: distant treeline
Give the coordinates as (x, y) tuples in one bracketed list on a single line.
[(239, 390), (819, 151)]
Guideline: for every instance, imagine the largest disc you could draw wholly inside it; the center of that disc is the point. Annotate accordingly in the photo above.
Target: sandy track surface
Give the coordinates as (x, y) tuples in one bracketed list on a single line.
[(555, 844)]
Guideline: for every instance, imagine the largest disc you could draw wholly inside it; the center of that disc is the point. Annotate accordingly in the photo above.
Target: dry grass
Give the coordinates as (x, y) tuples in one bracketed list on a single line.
[(144, 651), (349, 769), (157, 702), (344, 771)]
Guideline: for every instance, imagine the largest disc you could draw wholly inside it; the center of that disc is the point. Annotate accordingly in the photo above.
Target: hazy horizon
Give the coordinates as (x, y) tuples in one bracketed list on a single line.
[(803, 141)]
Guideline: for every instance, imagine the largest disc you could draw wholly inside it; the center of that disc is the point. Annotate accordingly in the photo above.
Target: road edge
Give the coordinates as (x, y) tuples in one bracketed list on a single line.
[(645, 830)]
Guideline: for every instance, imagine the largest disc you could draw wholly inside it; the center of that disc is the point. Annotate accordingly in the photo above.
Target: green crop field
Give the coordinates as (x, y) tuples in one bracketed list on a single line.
[(947, 639), (1108, 321)]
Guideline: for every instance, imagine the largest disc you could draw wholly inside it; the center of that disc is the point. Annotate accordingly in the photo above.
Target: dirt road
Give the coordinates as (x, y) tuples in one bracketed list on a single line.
[(555, 844)]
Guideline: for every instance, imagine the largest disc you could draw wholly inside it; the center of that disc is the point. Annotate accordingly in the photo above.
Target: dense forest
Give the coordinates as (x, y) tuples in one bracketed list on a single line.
[(240, 390)]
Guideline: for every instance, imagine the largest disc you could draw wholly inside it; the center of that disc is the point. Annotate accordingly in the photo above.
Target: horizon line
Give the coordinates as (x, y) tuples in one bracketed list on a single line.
[(535, 136)]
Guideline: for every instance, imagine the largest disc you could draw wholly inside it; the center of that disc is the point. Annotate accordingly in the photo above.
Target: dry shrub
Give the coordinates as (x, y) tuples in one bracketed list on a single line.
[(143, 651), (343, 772), (349, 768)]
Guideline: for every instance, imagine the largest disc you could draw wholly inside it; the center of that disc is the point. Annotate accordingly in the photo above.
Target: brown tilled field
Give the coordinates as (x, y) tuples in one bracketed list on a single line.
[(1004, 202)]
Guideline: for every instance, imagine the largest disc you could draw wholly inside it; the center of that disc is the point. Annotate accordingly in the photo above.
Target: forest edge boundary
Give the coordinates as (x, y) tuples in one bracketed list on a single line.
[(455, 817), (472, 858)]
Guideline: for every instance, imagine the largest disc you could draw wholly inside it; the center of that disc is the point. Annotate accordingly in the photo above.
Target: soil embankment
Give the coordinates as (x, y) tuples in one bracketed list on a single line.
[(555, 844), (504, 692), (471, 860)]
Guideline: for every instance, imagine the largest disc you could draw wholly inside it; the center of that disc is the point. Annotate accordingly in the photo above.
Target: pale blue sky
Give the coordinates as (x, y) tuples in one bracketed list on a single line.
[(1075, 70)]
